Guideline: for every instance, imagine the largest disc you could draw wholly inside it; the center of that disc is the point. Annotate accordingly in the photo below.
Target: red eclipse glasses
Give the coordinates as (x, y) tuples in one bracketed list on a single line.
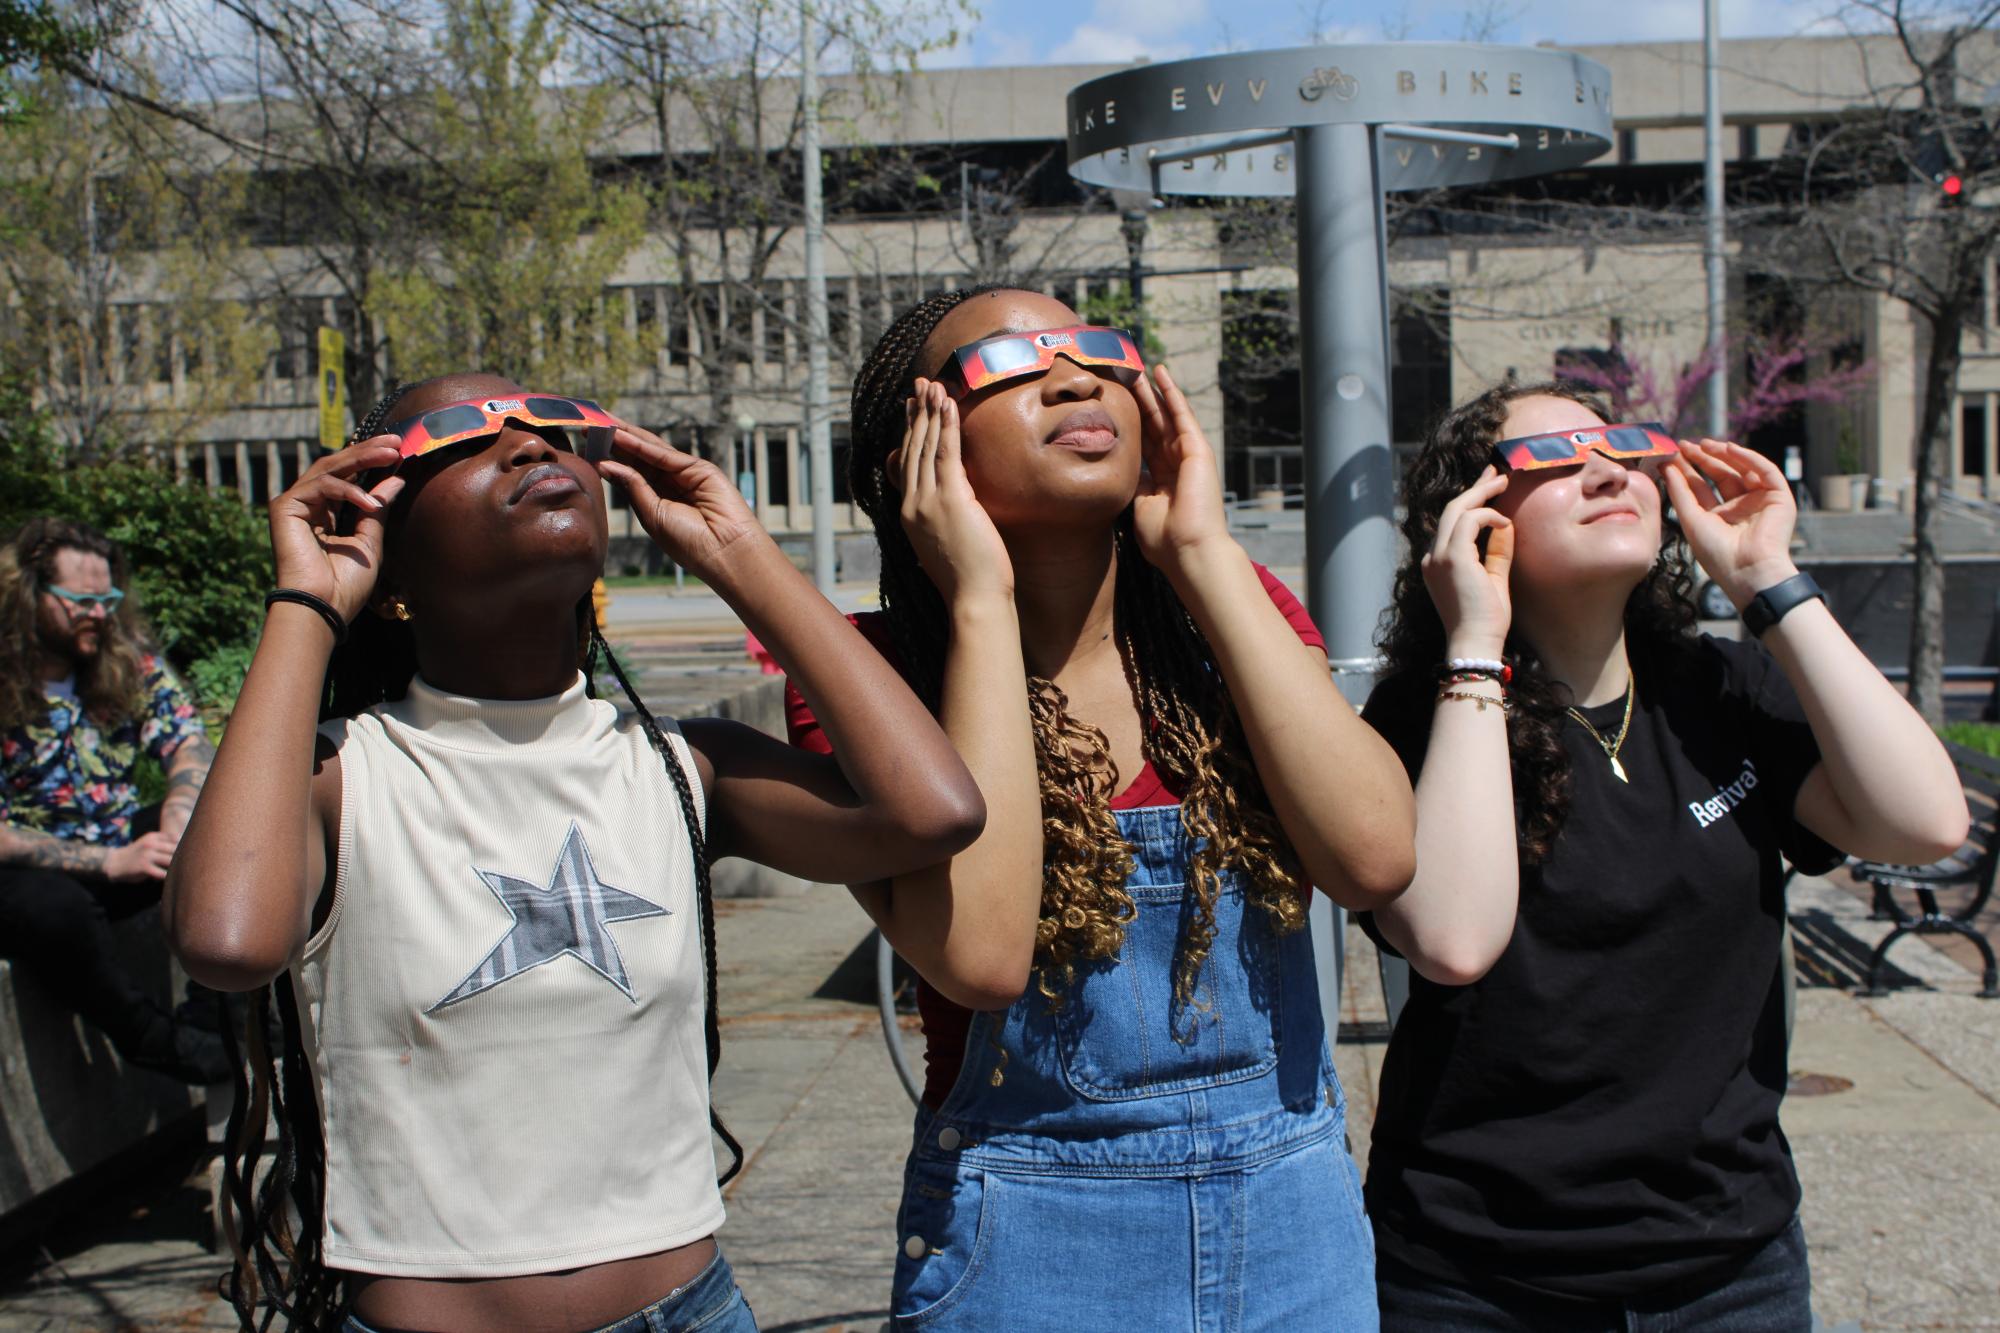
[(1566, 448), (455, 423), (1009, 356)]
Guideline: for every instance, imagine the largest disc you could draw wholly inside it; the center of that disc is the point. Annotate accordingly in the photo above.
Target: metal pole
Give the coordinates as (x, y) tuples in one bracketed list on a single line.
[(1718, 281), (819, 430), (1344, 359), (1133, 224)]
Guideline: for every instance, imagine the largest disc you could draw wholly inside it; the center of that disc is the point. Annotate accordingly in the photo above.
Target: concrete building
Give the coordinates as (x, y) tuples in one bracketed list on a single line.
[(1478, 300)]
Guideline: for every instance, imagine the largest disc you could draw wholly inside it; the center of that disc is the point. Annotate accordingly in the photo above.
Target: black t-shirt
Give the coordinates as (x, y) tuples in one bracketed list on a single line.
[(1597, 1117)]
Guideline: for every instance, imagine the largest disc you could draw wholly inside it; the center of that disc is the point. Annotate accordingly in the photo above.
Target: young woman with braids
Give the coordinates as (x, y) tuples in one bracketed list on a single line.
[(1578, 1120), (1131, 1118), (489, 894)]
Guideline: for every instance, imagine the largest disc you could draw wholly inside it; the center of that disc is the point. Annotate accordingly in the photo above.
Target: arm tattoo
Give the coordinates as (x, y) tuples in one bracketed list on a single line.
[(31, 849), (187, 771)]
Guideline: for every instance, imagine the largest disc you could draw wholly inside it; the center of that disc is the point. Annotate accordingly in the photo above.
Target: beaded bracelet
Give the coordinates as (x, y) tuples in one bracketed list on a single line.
[(302, 598), (1490, 667)]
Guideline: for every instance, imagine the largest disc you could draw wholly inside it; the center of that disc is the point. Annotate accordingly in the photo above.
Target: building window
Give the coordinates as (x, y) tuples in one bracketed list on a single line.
[(1419, 362), (1972, 461)]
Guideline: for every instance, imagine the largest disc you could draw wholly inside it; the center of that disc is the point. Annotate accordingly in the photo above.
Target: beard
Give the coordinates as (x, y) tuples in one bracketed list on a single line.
[(76, 646)]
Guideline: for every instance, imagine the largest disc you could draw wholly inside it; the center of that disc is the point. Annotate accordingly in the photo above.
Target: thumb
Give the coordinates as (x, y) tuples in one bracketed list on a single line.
[(368, 526)]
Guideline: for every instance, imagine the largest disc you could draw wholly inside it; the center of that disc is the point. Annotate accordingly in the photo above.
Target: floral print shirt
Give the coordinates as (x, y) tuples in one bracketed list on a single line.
[(72, 778)]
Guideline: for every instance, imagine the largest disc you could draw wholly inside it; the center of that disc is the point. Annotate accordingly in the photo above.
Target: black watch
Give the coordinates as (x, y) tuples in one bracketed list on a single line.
[(1773, 604)]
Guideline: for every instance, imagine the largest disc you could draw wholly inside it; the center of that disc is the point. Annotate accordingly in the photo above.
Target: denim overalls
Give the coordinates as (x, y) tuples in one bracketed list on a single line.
[(1125, 1163)]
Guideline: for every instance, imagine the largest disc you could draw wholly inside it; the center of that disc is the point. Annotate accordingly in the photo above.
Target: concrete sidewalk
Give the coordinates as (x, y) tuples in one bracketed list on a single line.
[(1902, 1169)]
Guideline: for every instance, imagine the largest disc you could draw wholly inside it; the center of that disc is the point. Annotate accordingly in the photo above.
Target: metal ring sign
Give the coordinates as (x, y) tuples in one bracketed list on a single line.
[(1221, 125)]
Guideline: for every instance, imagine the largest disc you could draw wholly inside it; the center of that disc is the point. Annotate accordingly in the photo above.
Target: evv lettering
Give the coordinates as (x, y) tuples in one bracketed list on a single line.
[(1725, 798)]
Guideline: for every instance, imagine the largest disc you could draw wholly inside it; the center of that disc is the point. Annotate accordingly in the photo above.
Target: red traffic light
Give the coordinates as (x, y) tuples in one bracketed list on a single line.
[(1953, 186)]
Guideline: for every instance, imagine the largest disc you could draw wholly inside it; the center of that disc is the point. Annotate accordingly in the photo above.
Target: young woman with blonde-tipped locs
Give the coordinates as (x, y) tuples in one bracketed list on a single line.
[(480, 895), (1126, 1059), (1578, 1117)]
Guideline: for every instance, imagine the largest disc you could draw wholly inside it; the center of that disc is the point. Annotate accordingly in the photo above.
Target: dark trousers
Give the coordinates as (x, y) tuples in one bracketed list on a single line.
[(1772, 1293), (57, 928)]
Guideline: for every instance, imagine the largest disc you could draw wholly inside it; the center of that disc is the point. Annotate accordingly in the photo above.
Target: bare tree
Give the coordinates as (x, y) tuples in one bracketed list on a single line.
[(114, 277), (714, 113), (1901, 198)]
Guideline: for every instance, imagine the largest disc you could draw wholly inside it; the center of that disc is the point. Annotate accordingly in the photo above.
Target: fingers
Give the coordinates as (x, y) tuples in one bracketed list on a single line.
[(1500, 551), (649, 450), (630, 480), (905, 459), (1722, 471), (918, 456), (645, 438), (156, 853), (387, 489), (381, 451), (950, 457), (1152, 416), (1490, 483), (1179, 415), (1679, 478)]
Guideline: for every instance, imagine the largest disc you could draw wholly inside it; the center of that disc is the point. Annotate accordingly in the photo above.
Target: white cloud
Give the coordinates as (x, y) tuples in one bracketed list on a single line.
[(1091, 44), (1121, 30)]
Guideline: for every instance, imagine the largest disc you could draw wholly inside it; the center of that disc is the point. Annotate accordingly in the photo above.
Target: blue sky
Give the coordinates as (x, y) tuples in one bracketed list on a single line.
[(1016, 32)]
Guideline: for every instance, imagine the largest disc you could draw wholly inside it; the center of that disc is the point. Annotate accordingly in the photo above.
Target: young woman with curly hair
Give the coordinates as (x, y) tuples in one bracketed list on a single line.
[(487, 892), (1578, 1120), (1131, 1117)]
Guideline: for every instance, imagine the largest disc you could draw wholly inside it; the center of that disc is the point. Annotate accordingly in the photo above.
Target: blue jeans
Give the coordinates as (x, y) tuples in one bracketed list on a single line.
[(1129, 1161), (1770, 1294), (710, 1303)]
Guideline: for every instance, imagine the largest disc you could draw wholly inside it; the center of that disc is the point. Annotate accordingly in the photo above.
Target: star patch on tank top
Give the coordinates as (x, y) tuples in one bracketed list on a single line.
[(570, 916)]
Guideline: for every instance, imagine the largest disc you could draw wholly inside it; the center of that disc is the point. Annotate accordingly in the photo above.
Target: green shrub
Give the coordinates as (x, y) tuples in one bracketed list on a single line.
[(218, 678), (1981, 736), (199, 562)]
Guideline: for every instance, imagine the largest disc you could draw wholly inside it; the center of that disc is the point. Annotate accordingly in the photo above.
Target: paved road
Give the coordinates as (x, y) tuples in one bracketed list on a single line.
[(1902, 1171)]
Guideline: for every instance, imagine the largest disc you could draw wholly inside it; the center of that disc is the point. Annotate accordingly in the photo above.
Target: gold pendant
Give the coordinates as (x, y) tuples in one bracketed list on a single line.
[(1618, 770)]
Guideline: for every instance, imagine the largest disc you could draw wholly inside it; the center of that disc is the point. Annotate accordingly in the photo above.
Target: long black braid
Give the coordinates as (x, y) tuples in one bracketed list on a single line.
[(279, 1270), (704, 893)]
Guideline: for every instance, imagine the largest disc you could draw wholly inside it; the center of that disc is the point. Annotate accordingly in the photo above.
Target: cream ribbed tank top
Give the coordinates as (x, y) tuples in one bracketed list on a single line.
[(503, 1012)]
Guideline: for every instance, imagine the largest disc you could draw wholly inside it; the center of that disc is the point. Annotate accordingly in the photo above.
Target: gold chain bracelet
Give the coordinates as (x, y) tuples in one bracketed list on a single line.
[(1505, 704)]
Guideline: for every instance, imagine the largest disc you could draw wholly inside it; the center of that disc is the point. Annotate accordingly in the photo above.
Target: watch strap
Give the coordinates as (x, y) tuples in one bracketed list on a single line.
[(1773, 604)]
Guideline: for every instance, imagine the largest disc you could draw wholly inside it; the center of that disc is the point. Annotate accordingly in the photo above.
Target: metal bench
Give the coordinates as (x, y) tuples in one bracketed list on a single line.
[(67, 1103), (1971, 867)]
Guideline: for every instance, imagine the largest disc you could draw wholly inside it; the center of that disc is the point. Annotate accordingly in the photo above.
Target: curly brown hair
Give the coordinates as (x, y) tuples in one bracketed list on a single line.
[(109, 685), (1193, 736), (1659, 616)]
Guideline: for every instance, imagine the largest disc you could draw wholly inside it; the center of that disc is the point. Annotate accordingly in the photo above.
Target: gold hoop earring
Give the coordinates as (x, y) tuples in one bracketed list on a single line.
[(401, 610)]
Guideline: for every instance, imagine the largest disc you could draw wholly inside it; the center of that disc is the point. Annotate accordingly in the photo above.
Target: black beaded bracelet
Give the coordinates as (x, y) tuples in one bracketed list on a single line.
[(319, 604)]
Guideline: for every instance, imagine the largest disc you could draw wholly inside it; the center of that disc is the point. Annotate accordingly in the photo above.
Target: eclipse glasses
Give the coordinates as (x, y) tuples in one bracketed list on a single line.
[(455, 423), (1567, 448), (1008, 356)]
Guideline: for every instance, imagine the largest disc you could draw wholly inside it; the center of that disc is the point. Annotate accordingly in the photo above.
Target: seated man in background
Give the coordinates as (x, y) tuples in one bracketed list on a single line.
[(80, 700)]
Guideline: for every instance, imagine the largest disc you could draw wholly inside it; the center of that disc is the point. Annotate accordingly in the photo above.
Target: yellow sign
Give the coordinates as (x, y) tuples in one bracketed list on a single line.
[(332, 388)]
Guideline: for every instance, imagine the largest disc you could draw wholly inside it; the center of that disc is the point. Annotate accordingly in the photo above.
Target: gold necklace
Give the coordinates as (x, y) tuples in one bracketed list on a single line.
[(1616, 743)]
